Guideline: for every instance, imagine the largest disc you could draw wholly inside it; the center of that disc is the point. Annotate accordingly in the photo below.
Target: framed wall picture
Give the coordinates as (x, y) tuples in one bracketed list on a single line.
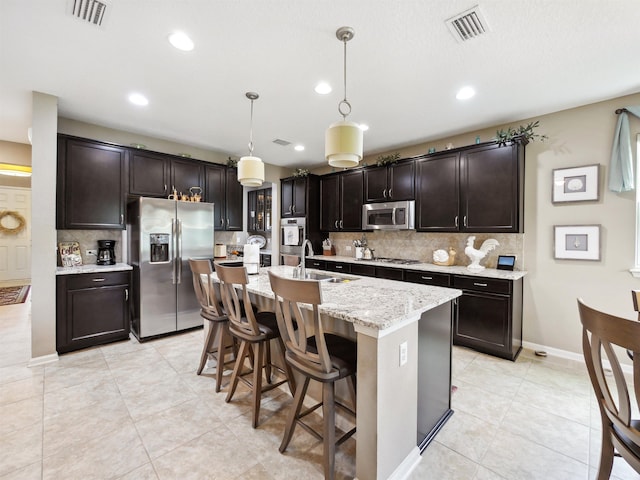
[(576, 184), (577, 242)]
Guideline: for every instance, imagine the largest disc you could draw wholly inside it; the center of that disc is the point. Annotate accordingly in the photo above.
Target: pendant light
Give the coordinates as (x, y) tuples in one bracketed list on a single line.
[(250, 168), (343, 140)]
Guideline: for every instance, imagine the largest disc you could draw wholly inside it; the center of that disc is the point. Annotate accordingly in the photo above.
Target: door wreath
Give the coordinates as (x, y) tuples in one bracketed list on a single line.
[(22, 223)]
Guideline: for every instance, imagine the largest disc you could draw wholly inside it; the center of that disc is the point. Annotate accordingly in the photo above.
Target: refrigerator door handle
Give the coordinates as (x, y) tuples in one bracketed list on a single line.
[(174, 233), (179, 251)]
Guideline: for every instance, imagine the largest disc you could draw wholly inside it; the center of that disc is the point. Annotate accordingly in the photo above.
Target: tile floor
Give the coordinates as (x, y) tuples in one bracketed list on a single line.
[(139, 411)]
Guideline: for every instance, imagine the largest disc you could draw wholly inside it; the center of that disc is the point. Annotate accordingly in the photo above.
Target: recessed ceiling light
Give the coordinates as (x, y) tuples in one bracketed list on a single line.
[(364, 127), (138, 99), (299, 148), (323, 88), (465, 93), (181, 41)]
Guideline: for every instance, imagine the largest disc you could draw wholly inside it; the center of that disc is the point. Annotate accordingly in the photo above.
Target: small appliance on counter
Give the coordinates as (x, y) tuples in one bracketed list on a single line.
[(106, 252), (220, 250)]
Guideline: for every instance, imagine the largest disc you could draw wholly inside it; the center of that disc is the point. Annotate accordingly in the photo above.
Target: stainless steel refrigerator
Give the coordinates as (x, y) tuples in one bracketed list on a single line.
[(163, 236)]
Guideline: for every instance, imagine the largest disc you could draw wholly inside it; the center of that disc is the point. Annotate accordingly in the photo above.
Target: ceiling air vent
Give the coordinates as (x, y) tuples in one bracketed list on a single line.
[(282, 143), (90, 11), (468, 24)]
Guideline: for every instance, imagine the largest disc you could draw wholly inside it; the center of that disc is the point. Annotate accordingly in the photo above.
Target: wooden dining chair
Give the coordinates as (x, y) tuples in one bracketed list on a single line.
[(602, 332), (635, 296), (218, 338), (255, 331), (319, 356)]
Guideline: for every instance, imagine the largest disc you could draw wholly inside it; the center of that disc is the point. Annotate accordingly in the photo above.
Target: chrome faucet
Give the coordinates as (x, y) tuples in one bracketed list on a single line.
[(302, 267)]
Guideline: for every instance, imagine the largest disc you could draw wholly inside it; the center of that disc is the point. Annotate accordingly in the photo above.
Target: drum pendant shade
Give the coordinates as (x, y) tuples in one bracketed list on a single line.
[(343, 144), (251, 171)]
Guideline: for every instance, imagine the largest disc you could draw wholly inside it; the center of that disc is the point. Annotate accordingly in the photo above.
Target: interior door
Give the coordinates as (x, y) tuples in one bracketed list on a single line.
[(15, 249)]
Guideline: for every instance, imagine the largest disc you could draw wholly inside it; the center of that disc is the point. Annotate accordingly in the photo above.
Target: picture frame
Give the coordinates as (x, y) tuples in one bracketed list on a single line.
[(576, 242), (576, 184)]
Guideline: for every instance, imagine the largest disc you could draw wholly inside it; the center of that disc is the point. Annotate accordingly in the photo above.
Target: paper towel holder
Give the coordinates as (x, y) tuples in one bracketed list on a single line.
[(251, 258)]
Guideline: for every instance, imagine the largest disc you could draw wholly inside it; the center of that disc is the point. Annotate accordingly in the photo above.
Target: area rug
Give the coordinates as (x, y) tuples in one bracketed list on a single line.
[(13, 295)]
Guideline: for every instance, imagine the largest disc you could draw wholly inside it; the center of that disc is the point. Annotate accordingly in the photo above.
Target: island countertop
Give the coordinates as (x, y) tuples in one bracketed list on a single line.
[(376, 304)]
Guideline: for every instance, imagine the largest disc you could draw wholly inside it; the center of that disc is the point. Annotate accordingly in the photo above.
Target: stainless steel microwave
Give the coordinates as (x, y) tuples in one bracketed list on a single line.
[(389, 216)]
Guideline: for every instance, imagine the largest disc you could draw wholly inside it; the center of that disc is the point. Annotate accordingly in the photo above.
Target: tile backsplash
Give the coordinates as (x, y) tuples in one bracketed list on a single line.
[(88, 240), (409, 244)]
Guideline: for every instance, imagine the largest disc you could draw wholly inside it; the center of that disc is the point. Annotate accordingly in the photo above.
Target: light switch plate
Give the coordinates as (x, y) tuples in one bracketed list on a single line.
[(403, 353)]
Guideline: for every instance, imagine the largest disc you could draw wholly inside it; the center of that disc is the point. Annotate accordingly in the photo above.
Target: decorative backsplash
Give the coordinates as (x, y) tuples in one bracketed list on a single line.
[(412, 245), (88, 240)]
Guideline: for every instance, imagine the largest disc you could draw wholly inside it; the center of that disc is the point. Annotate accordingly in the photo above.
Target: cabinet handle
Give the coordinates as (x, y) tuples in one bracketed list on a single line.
[(227, 223), (338, 267), (427, 278), (384, 193), (97, 280), (479, 284), (121, 219), (293, 208), (165, 188), (464, 221), (126, 294), (341, 224), (456, 221), (391, 193), (222, 222), (336, 224)]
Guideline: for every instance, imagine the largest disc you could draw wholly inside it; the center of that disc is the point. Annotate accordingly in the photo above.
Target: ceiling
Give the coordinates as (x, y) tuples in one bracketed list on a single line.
[(404, 67)]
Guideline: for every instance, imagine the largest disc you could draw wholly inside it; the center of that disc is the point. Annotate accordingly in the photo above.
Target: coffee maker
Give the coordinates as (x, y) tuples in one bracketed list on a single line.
[(106, 252)]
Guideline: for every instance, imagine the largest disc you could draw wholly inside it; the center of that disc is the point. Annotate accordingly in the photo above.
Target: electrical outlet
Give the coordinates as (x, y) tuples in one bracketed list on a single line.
[(348, 248), (91, 252), (403, 353)]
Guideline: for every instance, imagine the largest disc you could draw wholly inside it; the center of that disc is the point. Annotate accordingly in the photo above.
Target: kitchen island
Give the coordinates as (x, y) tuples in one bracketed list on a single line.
[(404, 362)]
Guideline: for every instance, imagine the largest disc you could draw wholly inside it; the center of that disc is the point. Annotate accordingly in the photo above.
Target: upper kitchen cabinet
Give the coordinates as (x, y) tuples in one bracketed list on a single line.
[(157, 175), (298, 193), (259, 210), (90, 185), (149, 174), (341, 201), (390, 183), (477, 189), (225, 192)]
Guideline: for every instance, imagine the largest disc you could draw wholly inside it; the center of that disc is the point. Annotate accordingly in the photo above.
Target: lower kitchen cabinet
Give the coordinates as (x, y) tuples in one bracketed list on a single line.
[(427, 278), (489, 315), (364, 270), (317, 264), (91, 309)]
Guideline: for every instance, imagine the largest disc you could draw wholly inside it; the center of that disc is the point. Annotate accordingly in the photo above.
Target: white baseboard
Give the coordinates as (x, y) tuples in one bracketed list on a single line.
[(43, 359)]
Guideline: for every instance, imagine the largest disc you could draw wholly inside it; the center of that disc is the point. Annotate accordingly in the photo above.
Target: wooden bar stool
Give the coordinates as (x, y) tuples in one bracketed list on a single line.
[(253, 330), (218, 338), (323, 357)]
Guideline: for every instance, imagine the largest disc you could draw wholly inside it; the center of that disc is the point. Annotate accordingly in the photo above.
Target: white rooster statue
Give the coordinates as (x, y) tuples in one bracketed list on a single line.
[(477, 255)]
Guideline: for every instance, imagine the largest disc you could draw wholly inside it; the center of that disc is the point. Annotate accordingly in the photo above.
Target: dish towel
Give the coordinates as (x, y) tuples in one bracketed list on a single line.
[(291, 236)]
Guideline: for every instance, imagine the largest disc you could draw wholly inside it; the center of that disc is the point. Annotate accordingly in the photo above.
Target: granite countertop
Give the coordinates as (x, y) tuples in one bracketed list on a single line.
[(428, 267), (118, 267), (375, 303)]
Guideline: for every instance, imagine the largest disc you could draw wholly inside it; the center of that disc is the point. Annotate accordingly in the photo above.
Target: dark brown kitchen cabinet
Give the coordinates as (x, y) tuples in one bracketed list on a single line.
[(186, 174), (259, 210), (341, 201), (299, 196), (390, 183), (364, 270), (475, 189), (342, 267), (149, 174), (489, 315), (91, 309), (225, 192), (317, 264), (389, 273), (90, 185), (427, 278)]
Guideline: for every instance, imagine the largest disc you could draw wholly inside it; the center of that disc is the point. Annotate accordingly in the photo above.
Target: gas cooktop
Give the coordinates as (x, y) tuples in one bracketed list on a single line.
[(399, 261)]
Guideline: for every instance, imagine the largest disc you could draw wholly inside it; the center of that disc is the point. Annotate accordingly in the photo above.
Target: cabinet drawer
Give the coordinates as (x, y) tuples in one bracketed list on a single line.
[(89, 280), (339, 267), (365, 270), (318, 264), (482, 284), (428, 278), (389, 273)]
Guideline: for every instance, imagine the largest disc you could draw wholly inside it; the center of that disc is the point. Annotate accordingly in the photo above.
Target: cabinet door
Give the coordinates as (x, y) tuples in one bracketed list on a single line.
[(300, 197), (286, 191), (329, 203), (216, 193), (437, 200), (91, 185), (186, 174), (252, 210), (401, 181), (490, 190), (148, 174), (233, 220), (483, 322), (351, 194), (375, 185)]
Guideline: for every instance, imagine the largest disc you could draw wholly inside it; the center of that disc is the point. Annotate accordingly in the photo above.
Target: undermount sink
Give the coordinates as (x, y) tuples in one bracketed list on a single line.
[(322, 277)]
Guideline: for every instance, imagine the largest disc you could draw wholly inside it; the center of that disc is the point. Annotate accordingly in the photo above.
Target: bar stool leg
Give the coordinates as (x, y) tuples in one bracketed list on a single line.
[(329, 426)]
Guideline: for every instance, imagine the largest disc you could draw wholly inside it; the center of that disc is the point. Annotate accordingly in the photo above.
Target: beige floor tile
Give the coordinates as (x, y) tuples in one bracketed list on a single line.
[(442, 463), (20, 448), (478, 402), (145, 472), (489, 380), (20, 415), (102, 456), (94, 391), (30, 472), (58, 375), (553, 400), (467, 435), (486, 474), (151, 399), (21, 389), (575, 382), (20, 371)]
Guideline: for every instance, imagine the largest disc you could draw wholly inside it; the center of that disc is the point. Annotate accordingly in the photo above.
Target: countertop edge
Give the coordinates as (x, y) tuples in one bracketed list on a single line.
[(80, 269)]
